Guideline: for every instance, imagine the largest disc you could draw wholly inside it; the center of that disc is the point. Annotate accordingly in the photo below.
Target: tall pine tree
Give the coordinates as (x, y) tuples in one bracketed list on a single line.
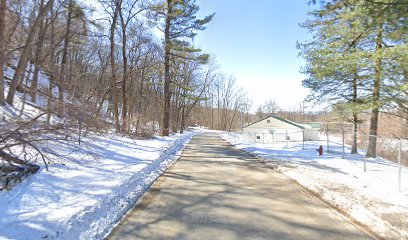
[(351, 59), (336, 61), (178, 21)]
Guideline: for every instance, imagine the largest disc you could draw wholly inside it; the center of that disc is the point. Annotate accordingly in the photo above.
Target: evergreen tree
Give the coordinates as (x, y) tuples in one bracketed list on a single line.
[(336, 60), (351, 58), (179, 23), (386, 24)]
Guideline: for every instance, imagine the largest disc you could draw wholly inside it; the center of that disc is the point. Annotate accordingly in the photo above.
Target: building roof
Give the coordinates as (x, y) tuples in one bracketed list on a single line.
[(280, 119)]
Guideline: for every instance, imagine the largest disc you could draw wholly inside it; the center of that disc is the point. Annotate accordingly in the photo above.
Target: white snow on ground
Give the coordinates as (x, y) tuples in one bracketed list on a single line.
[(87, 191), (371, 198), (88, 188)]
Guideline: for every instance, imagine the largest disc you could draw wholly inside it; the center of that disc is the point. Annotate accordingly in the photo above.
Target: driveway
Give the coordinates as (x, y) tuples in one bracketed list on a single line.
[(215, 191)]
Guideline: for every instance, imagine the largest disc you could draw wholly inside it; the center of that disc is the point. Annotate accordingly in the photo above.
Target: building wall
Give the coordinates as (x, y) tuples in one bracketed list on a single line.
[(292, 136), (312, 134), (277, 135), (260, 132)]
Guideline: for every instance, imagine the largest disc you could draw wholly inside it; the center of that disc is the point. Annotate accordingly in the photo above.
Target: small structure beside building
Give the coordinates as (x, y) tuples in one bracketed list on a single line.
[(276, 129)]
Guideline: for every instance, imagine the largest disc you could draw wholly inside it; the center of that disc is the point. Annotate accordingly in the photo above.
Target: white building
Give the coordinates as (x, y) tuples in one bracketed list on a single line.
[(277, 129)]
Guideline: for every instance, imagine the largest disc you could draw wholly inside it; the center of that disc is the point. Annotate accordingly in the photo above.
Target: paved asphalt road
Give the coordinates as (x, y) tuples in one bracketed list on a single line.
[(215, 191)]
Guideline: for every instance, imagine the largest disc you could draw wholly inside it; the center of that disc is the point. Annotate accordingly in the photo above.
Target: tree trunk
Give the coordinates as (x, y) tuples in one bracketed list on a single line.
[(177, 102), (167, 77), (37, 60), (232, 120), (355, 115), (125, 71), (52, 64), (25, 54), (63, 70), (372, 145), (34, 83), (98, 109), (212, 111), (355, 132), (183, 119), (142, 95), (114, 78), (218, 109), (25, 91), (3, 6)]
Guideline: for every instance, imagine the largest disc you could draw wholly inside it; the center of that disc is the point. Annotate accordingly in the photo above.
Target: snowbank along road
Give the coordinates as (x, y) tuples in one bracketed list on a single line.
[(215, 191)]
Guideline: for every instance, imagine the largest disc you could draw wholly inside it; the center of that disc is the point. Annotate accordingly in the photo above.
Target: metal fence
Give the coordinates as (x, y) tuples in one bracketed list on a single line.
[(390, 148), (394, 149), (338, 141)]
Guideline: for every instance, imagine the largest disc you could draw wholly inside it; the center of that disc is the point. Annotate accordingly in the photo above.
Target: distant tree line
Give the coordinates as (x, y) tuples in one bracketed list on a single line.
[(109, 59)]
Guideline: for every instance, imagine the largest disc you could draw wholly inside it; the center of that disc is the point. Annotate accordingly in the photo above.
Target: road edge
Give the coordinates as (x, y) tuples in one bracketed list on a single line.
[(167, 158), (316, 195)]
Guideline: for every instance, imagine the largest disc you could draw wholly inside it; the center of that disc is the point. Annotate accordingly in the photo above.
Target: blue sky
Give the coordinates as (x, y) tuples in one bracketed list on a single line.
[(256, 42)]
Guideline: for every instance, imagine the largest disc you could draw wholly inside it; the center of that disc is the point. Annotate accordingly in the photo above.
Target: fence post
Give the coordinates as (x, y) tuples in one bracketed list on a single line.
[(273, 140), (303, 139), (343, 144), (327, 136), (365, 160), (399, 165)]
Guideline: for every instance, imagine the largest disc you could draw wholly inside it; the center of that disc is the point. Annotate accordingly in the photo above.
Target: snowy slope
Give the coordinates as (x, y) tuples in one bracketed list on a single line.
[(86, 194), (42, 85), (88, 187), (371, 198), (31, 109)]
